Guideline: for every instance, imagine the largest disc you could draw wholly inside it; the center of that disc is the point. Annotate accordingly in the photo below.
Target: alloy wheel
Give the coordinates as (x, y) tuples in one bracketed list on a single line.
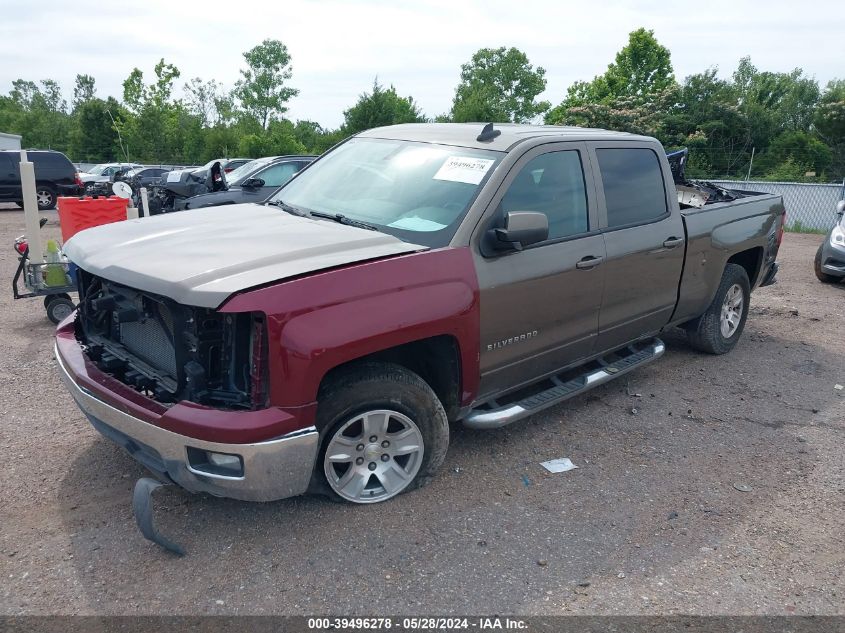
[(373, 456)]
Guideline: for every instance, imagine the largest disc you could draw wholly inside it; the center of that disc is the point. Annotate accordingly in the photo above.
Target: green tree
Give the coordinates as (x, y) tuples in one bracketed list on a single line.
[(774, 102), (38, 113), (829, 124), (93, 137), (201, 99), (84, 90), (315, 138), (153, 126), (263, 90), (641, 70), (799, 148), (380, 107), (499, 84), (707, 119)]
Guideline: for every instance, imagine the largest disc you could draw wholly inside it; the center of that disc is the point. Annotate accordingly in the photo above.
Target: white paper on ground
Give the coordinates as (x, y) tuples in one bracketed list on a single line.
[(560, 465)]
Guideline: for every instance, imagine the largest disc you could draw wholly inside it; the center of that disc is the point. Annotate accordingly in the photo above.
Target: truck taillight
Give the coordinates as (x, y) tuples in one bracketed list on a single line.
[(782, 226), (78, 181), (258, 363)]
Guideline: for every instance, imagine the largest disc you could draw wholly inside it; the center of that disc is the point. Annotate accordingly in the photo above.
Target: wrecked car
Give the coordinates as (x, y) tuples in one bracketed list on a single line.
[(254, 181), (829, 263), (413, 277)]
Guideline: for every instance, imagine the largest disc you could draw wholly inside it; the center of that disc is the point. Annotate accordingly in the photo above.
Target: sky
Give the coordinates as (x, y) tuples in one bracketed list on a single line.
[(338, 48)]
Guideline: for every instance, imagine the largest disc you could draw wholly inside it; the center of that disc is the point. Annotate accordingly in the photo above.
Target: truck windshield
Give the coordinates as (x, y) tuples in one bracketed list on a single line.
[(418, 192)]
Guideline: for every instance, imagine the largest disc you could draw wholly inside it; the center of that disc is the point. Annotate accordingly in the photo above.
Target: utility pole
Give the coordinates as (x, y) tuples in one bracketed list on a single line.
[(748, 175), (119, 137)]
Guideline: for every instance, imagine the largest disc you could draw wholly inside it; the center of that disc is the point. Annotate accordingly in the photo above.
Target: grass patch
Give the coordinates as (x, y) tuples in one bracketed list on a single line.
[(798, 227)]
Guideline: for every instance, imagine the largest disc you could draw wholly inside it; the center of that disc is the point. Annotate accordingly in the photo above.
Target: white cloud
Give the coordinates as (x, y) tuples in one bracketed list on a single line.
[(339, 47)]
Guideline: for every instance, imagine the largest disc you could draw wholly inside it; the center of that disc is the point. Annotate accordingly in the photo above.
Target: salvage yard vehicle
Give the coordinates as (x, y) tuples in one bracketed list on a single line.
[(829, 264), (254, 181), (55, 176), (413, 276), (102, 174)]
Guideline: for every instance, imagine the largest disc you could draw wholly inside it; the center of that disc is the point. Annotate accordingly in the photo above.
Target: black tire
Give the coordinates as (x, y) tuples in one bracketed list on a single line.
[(59, 307), (374, 387), (817, 267), (705, 332), (49, 298), (46, 197)]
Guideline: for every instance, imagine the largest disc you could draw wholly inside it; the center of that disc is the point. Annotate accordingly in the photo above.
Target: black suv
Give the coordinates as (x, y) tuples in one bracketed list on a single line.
[(55, 176)]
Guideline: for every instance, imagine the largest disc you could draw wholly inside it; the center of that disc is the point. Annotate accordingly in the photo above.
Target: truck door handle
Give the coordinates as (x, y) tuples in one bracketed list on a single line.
[(672, 242), (591, 261)]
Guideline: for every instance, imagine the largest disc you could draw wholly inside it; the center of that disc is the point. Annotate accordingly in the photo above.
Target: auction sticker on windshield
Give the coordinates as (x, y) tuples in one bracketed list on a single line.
[(464, 169)]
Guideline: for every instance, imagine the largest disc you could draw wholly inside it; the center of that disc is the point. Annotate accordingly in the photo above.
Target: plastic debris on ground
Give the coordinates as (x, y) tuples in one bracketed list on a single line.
[(560, 465)]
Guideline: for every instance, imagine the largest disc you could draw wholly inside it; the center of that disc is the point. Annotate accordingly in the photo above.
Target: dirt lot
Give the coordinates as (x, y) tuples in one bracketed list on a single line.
[(651, 522)]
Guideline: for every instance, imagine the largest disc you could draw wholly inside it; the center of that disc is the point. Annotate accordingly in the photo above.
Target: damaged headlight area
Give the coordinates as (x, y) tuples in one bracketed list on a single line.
[(172, 352), (837, 236)]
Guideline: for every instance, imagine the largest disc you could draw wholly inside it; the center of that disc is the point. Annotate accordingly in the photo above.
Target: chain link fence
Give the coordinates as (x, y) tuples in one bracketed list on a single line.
[(810, 207)]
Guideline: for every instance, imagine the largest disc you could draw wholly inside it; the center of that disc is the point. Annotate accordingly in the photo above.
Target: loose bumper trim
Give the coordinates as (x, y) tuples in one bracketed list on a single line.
[(769, 279), (273, 469)]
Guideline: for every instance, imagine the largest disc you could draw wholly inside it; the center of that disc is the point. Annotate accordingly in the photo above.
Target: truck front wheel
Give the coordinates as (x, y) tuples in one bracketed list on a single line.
[(383, 430), (718, 330)]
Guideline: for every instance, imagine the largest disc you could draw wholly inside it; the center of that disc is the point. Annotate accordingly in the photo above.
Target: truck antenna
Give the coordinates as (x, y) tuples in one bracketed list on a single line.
[(488, 134)]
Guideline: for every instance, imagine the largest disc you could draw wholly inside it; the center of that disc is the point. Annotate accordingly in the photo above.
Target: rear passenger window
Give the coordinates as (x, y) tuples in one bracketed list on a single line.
[(633, 186), (553, 184)]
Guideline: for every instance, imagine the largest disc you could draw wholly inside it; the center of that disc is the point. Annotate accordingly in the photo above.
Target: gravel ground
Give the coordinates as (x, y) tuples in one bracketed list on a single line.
[(652, 521)]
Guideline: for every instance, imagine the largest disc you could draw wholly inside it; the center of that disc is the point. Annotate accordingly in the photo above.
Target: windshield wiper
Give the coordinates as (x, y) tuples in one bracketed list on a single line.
[(284, 206), (342, 219)]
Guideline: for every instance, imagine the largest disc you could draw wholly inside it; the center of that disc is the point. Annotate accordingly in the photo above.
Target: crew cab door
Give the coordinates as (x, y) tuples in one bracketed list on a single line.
[(540, 305), (645, 241)]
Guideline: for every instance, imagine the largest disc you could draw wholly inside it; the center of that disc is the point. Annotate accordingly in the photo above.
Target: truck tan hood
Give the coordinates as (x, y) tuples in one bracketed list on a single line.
[(202, 257)]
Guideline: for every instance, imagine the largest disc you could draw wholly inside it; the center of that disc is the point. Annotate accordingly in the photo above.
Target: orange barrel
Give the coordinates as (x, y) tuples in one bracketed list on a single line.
[(77, 214)]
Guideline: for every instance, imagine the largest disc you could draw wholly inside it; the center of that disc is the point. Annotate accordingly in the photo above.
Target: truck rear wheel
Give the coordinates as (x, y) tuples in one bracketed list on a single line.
[(719, 328), (383, 431)]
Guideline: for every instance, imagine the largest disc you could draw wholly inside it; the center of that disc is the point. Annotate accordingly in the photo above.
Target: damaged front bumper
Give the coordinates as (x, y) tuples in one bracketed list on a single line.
[(259, 471)]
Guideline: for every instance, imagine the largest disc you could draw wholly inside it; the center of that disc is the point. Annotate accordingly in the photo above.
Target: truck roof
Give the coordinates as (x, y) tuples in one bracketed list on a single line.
[(465, 134)]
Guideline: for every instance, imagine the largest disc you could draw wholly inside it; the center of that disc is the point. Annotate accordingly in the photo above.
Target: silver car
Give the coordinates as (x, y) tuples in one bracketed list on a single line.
[(830, 258)]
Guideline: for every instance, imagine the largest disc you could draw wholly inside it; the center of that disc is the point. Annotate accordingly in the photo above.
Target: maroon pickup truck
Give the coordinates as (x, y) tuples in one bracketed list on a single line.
[(412, 277)]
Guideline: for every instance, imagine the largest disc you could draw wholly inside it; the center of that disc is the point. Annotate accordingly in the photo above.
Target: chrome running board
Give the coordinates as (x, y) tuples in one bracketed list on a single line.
[(567, 385)]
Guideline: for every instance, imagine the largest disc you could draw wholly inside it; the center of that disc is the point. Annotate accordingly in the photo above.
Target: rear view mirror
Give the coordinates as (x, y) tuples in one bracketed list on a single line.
[(840, 207), (522, 228)]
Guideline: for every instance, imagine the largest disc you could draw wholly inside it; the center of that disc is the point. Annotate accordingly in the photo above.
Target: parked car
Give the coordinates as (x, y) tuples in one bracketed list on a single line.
[(146, 176), (102, 173), (253, 182), (231, 164), (55, 176), (829, 263), (413, 276)]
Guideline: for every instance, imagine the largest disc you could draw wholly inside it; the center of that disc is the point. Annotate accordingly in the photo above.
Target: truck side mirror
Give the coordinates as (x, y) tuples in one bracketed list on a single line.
[(840, 207), (522, 228)]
